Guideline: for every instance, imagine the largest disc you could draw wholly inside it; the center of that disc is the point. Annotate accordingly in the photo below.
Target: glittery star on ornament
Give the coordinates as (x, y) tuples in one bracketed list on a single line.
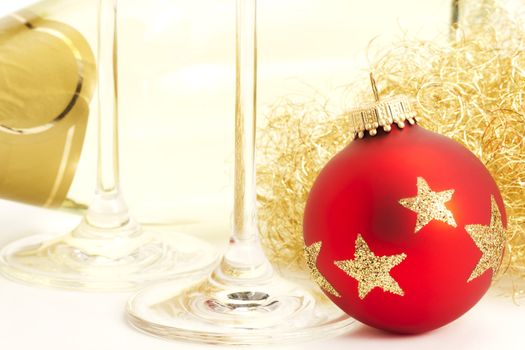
[(370, 270), (490, 240), (429, 205), (311, 253)]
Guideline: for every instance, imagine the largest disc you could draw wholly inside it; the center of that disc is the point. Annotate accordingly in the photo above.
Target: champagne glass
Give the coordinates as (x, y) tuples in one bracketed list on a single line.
[(108, 250), (242, 301)]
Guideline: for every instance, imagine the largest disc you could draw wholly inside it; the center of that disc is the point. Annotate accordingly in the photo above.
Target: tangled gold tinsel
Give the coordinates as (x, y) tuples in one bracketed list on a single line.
[(470, 89)]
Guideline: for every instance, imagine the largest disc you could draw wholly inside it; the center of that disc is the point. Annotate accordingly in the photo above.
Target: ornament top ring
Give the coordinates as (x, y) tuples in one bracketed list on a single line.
[(381, 113)]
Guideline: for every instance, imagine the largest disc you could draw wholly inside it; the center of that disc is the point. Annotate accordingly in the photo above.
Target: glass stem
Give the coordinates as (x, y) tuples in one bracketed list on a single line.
[(244, 260), (108, 209), (245, 225), (108, 158)]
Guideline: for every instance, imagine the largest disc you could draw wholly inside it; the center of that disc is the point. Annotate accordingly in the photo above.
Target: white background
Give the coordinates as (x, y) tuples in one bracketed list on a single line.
[(177, 86)]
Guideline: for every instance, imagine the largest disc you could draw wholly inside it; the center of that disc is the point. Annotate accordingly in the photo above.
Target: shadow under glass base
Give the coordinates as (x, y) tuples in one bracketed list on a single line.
[(278, 312), (58, 261)]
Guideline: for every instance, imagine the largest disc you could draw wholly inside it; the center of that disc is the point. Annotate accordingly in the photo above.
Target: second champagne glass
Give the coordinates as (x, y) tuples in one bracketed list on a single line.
[(243, 301)]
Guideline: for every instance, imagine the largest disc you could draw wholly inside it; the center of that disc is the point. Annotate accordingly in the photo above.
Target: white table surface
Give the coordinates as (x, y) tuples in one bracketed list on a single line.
[(32, 317)]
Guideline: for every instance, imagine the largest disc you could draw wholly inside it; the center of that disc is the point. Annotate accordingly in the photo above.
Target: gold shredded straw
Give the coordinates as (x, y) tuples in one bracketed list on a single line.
[(470, 89)]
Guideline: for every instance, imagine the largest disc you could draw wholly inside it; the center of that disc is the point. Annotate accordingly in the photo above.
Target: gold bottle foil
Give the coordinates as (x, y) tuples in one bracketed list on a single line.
[(47, 78)]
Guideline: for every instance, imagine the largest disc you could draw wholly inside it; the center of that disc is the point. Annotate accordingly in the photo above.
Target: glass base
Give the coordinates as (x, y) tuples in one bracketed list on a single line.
[(59, 262), (277, 312)]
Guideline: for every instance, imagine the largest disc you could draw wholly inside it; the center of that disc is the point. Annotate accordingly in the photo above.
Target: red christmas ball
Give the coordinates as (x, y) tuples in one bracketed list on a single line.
[(404, 231)]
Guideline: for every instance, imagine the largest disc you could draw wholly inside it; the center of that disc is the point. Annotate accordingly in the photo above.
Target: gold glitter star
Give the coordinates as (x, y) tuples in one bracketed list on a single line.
[(370, 270), (490, 240), (311, 253), (429, 205)]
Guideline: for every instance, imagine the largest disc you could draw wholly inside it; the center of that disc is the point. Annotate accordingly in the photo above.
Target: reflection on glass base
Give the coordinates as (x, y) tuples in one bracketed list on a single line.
[(58, 262), (206, 312)]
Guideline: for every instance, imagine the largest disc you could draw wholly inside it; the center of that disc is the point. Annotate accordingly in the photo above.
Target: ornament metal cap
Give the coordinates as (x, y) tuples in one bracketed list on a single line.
[(381, 113)]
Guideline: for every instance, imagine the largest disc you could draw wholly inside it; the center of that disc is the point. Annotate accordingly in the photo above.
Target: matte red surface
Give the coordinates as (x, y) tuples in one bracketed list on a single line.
[(358, 192)]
